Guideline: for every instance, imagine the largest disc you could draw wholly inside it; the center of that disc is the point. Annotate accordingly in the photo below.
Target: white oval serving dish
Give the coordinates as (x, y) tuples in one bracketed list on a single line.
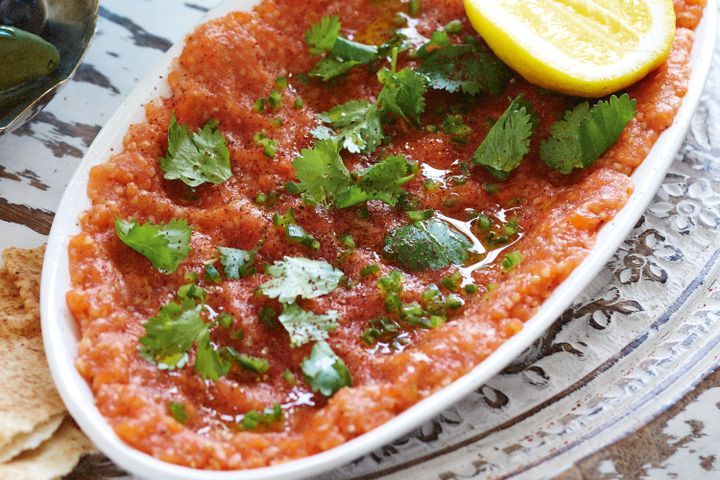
[(61, 335)]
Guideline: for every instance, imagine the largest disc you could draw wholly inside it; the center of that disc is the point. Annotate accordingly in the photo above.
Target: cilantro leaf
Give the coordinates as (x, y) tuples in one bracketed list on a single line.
[(322, 35), (198, 158), (403, 93), (384, 180), (325, 179), (324, 371), (331, 67), (344, 54), (351, 51), (585, 133), (165, 245), (304, 326), (357, 124), (300, 277), (322, 172), (208, 362), (467, 67), (170, 334), (238, 263), (431, 244), (507, 142)]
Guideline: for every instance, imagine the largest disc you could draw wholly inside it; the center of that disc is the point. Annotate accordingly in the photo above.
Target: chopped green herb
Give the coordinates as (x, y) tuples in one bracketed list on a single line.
[(383, 329), (247, 362), (431, 244), (470, 288), (420, 215), (238, 263), (293, 188), (467, 67), (298, 103), (452, 282), (259, 105), (491, 188), (347, 241), (236, 335), (484, 222), (434, 300), (368, 270), (294, 232), (191, 292), (507, 142), (356, 125), (225, 320), (170, 334), (304, 326), (454, 27), (281, 83), (382, 181), (177, 411), (324, 371), (197, 158), (165, 245), (321, 172), (451, 200), (403, 93), (300, 277), (511, 260), (325, 179), (585, 133), (268, 316), (454, 125), (453, 302), (212, 274), (321, 36), (289, 377), (391, 286), (208, 362), (431, 185), (252, 419), (274, 101), (329, 68), (414, 7), (343, 54), (512, 227)]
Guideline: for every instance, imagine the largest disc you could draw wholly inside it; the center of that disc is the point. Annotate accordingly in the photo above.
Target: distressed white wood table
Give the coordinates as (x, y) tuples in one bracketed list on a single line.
[(625, 385)]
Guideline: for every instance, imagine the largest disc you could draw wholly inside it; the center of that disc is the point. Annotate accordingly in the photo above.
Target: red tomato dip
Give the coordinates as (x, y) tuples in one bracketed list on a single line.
[(226, 66)]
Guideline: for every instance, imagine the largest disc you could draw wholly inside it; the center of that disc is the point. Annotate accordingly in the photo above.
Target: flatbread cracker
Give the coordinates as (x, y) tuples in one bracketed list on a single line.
[(27, 393), (38, 441), (24, 267), (53, 459), (14, 320), (31, 440)]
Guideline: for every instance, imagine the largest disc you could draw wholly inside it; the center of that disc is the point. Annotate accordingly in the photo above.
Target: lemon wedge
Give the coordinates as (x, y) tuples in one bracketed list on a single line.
[(588, 48)]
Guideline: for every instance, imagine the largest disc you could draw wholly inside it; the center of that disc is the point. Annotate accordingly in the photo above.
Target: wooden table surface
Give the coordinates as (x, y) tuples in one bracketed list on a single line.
[(681, 433)]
